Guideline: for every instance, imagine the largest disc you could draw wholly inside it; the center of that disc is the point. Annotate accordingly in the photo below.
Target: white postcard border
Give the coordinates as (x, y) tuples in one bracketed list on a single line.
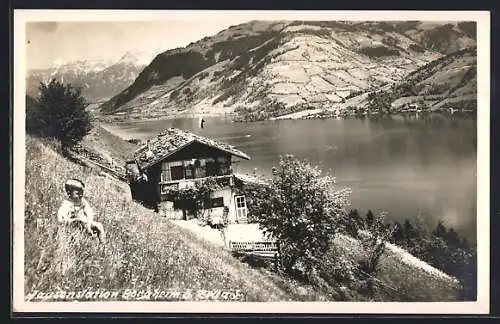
[(481, 306)]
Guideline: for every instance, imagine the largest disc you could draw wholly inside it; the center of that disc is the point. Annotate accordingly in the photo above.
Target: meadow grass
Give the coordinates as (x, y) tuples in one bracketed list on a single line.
[(142, 250), (397, 280), (145, 251)]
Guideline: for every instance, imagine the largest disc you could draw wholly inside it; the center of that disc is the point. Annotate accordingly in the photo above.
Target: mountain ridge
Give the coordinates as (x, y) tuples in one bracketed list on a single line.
[(100, 79), (263, 69)]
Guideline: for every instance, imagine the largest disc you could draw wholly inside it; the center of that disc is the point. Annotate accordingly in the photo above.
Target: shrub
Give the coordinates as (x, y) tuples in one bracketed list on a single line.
[(374, 242), (303, 212), (194, 198), (370, 219), (354, 223)]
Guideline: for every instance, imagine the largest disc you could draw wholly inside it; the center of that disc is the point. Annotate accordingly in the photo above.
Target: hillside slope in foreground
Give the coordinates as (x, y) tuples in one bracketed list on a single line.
[(143, 251), (146, 252)]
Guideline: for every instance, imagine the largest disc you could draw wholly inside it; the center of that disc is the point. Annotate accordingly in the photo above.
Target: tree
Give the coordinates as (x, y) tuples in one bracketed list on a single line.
[(380, 101), (369, 219), (302, 211), (409, 231), (440, 230), (60, 113), (31, 110), (354, 223), (452, 238), (398, 235), (421, 227), (464, 244)]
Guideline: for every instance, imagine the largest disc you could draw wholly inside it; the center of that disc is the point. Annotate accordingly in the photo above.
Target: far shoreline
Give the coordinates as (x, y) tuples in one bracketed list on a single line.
[(117, 122)]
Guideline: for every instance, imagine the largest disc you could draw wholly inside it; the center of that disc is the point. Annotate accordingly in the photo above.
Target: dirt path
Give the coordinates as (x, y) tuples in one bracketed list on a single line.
[(206, 233)]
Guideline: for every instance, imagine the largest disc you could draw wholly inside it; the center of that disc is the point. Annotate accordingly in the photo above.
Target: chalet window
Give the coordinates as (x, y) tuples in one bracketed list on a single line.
[(200, 172), (241, 207), (165, 172), (211, 168), (177, 172), (224, 169), (240, 201), (188, 172), (217, 202)]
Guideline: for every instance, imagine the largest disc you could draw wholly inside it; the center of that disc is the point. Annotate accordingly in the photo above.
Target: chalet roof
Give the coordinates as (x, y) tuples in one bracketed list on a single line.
[(172, 140)]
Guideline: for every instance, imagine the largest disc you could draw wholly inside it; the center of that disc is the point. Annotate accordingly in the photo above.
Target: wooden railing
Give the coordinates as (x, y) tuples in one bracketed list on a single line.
[(229, 177), (266, 249)]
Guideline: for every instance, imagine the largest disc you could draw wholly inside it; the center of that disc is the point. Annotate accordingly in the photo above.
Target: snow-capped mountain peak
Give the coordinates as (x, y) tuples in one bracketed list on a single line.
[(57, 63), (100, 78), (136, 57), (92, 65)]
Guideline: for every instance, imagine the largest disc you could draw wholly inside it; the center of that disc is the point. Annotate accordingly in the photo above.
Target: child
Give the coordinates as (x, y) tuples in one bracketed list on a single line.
[(76, 210)]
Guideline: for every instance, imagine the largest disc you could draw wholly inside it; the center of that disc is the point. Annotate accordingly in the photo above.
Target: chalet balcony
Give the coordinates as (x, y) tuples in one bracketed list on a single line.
[(222, 180)]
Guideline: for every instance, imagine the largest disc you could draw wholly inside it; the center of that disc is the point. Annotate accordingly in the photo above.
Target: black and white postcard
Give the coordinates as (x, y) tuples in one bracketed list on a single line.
[(251, 161)]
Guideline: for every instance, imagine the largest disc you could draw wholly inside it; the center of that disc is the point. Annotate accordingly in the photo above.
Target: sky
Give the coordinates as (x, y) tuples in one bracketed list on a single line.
[(50, 42), (64, 36)]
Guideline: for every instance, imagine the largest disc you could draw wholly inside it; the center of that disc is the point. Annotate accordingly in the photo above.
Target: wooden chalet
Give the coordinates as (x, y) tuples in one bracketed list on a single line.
[(177, 159)]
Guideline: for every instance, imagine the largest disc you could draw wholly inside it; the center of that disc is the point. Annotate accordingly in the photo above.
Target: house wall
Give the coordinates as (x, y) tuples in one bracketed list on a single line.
[(216, 214), (228, 195), (166, 208), (151, 190)]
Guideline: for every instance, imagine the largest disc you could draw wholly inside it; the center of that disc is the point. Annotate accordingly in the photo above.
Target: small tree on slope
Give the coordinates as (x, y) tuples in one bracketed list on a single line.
[(60, 113), (303, 212)]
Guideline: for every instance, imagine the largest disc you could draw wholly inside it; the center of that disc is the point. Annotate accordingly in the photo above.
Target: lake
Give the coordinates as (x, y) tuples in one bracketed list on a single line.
[(405, 165)]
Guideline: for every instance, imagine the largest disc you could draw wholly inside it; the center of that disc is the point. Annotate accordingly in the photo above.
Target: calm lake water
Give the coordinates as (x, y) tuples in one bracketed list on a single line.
[(403, 165)]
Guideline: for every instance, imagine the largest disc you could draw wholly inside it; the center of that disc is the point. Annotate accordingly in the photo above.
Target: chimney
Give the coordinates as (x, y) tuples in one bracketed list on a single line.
[(149, 152)]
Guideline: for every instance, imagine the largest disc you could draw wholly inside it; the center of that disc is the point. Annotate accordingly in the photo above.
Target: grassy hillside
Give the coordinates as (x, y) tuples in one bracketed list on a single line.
[(142, 250), (146, 251), (400, 276), (107, 144), (448, 82)]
